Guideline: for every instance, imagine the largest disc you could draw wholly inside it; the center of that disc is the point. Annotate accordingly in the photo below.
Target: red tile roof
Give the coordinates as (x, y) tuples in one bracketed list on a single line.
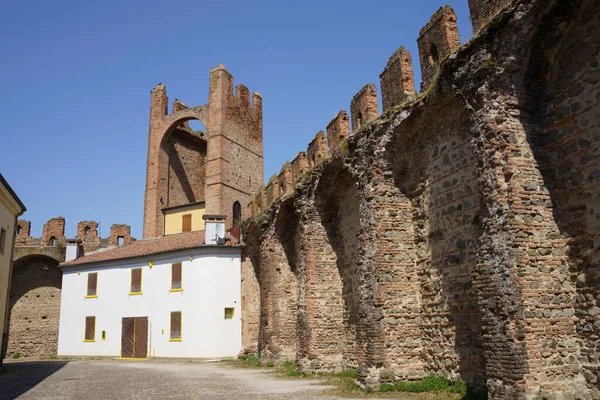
[(146, 247)]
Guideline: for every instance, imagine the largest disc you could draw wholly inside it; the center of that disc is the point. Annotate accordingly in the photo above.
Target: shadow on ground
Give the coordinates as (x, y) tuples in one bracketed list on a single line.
[(20, 377)]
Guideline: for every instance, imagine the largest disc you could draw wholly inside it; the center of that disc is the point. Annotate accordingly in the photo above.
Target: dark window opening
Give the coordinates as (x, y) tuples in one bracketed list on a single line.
[(136, 280), (2, 240), (92, 284), (18, 230), (52, 241), (90, 329), (237, 213), (87, 230), (434, 54), (175, 325), (120, 241), (176, 276), (359, 120)]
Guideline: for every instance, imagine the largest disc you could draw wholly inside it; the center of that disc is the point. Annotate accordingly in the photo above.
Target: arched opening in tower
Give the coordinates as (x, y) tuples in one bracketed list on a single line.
[(185, 151)]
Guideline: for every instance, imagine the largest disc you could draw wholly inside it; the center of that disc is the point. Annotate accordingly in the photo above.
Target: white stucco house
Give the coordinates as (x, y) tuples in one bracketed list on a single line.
[(174, 296)]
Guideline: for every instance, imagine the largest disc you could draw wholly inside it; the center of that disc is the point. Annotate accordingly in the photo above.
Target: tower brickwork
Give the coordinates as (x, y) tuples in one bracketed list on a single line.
[(219, 167)]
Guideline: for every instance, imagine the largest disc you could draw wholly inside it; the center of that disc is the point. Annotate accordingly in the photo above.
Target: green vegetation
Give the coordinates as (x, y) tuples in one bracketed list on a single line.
[(428, 384), (491, 63), (290, 369), (16, 355)]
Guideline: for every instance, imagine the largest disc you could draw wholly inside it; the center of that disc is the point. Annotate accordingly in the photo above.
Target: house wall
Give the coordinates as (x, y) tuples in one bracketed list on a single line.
[(173, 218), (7, 221), (210, 280)]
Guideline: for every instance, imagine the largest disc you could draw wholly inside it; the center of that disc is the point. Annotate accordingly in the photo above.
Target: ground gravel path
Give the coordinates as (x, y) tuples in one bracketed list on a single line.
[(91, 380)]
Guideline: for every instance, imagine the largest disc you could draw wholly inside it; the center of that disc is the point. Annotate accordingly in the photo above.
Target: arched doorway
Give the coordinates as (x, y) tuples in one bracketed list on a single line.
[(34, 307)]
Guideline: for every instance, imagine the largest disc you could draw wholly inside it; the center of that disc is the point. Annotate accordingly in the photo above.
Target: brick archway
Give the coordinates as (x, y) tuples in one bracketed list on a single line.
[(34, 306)]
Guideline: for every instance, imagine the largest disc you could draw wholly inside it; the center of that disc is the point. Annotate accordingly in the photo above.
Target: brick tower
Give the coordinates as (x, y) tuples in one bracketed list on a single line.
[(212, 172)]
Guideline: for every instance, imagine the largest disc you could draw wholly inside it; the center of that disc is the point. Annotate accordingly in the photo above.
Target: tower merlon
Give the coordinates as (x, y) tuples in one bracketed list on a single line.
[(338, 130), (317, 149), (364, 107), (397, 80), (437, 40)]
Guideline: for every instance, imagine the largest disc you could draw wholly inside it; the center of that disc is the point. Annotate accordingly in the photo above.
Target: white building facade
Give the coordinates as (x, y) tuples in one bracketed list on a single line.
[(180, 303)]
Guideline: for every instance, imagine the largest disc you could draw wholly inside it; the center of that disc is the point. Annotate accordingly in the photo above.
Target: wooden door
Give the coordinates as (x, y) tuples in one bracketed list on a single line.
[(134, 337)]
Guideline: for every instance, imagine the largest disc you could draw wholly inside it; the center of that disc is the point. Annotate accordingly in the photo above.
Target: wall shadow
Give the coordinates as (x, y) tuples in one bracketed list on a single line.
[(21, 377)]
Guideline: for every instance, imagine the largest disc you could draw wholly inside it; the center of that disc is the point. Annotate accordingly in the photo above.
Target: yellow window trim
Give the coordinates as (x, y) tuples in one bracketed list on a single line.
[(92, 297), (135, 293), (176, 290), (175, 340), (89, 341)]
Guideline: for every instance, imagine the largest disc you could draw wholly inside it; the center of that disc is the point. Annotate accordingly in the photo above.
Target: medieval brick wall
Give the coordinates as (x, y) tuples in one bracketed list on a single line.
[(438, 39), (459, 235), (483, 11), (397, 80), (34, 307), (364, 107)]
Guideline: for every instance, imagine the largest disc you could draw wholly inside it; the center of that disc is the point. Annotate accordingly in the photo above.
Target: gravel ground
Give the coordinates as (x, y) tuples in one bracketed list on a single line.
[(92, 380)]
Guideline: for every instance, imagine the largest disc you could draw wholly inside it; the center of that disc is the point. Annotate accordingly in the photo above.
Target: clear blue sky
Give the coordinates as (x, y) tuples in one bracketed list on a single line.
[(77, 77)]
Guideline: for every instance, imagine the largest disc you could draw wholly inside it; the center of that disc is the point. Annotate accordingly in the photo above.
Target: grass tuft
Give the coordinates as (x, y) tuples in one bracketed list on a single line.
[(431, 383), (16, 355)]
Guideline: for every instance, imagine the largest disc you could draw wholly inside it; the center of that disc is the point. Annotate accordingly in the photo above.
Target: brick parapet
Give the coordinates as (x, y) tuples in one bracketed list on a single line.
[(338, 130), (364, 107), (483, 11), (397, 80), (317, 149), (438, 39)]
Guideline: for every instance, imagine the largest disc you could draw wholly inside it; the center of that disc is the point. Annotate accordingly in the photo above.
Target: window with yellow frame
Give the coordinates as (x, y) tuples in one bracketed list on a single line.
[(175, 335), (136, 281), (90, 329)]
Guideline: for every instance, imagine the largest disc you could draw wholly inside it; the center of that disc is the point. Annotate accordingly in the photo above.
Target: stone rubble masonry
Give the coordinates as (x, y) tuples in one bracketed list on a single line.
[(338, 130), (483, 11), (184, 167), (317, 149), (459, 235), (437, 40), (397, 80), (364, 107)]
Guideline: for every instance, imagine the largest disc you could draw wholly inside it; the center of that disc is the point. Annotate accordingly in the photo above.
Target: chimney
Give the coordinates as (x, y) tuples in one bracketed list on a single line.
[(214, 229), (73, 249)]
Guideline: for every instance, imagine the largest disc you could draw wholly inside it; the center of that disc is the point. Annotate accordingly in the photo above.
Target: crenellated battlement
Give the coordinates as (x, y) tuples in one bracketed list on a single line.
[(364, 107), (53, 234), (437, 40)]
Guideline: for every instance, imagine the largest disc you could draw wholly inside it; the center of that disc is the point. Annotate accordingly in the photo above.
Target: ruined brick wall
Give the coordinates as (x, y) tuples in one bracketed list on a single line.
[(34, 307), (363, 107), (338, 130), (483, 11), (563, 91), (462, 229), (54, 229), (317, 149), (438, 39), (397, 80)]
